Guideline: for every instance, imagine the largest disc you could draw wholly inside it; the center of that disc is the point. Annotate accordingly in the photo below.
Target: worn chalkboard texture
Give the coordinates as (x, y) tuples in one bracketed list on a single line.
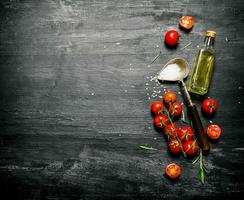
[(76, 88)]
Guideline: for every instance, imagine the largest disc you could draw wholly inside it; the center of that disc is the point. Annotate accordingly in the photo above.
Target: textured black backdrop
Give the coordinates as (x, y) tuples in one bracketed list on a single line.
[(74, 98)]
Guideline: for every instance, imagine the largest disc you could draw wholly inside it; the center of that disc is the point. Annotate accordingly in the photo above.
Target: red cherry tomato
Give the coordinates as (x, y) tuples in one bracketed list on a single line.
[(185, 133), (157, 107), (173, 171), (169, 97), (190, 148), (171, 131), (214, 131), (175, 109), (174, 146), (160, 121), (186, 22), (209, 106), (171, 37)]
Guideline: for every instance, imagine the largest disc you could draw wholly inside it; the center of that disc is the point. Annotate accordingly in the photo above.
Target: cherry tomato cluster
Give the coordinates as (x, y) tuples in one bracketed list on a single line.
[(179, 138)]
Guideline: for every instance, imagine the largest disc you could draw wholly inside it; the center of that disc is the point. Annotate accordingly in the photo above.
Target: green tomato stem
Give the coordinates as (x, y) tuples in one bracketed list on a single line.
[(171, 122)]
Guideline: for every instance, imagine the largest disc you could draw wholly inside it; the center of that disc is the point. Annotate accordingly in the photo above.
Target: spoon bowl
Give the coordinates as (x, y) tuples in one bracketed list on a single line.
[(176, 69)]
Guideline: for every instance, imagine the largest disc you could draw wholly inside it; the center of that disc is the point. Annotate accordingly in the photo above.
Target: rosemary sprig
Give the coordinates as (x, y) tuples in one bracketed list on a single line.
[(147, 148), (202, 169), (186, 46), (156, 57)]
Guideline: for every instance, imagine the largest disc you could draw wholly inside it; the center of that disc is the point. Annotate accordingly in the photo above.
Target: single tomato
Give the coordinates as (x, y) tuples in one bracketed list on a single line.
[(157, 107), (171, 37), (174, 146), (160, 121), (190, 148), (186, 22), (173, 171), (214, 131), (175, 109), (209, 106), (171, 131), (169, 97), (185, 133)]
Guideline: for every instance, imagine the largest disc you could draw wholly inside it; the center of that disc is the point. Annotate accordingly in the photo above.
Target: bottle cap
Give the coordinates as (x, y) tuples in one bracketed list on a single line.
[(211, 34)]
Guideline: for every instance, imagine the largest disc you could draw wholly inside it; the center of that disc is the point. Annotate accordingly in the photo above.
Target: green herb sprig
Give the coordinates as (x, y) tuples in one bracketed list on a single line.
[(147, 148), (186, 46), (156, 57), (202, 169)]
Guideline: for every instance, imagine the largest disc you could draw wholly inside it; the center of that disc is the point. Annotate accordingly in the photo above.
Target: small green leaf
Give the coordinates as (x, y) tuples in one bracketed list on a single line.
[(186, 122), (204, 168), (186, 46), (197, 159), (202, 175), (156, 57), (147, 148), (184, 119)]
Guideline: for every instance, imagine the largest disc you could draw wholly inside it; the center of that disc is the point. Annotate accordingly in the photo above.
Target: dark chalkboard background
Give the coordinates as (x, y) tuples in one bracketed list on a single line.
[(74, 98)]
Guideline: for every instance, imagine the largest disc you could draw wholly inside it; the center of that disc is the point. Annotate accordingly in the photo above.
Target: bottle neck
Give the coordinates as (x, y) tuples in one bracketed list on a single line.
[(209, 41)]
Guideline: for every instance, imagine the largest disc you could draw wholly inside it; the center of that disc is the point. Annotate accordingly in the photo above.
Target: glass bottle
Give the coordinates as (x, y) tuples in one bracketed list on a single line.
[(203, 66)]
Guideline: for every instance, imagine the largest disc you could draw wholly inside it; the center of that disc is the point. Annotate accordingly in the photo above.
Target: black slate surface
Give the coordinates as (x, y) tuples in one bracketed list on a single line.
[(74, 107)]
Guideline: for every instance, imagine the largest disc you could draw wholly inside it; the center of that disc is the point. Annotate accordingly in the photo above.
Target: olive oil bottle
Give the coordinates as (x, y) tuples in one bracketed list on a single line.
[(203, 66)]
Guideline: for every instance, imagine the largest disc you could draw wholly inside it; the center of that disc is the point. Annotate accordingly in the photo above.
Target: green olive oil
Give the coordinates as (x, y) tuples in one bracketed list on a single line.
[(203, 66)]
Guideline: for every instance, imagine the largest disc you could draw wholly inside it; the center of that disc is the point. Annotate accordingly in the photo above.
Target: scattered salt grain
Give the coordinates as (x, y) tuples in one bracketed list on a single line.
[(155, 138), (240, 87), (149, 66), (125, 90), (92, 93), (239, 102), (146, 84), (210, 122), (118, 43), (146, 88), (226, 39)]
